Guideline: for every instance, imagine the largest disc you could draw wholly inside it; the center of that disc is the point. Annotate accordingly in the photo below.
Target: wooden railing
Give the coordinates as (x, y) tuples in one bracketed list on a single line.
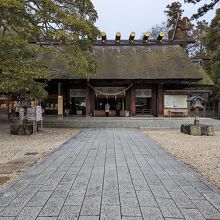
[(208, 112), (143, 111)]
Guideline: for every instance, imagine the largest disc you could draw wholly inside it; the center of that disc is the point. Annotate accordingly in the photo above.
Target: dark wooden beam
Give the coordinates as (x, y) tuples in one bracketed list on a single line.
[(88, 101), (133, 101), (123, 42), (154, 101), (160, 100)]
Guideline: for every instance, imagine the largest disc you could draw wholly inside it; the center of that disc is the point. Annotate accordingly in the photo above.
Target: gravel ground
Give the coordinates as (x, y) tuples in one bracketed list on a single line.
[(18, 153), (201, 153)]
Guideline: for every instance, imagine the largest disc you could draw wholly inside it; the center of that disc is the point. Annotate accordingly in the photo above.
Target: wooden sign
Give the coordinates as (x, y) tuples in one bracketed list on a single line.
[(175, 101), (21, 114), (60, 105), (39, 113), (30, 114)]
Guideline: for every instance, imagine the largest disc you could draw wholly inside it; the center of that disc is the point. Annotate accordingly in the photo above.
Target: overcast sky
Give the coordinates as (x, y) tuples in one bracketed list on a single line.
[(136, 15)]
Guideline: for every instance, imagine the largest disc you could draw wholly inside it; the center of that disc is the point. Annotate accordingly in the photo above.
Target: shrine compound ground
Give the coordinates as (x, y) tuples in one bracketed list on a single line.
[(111, 173)]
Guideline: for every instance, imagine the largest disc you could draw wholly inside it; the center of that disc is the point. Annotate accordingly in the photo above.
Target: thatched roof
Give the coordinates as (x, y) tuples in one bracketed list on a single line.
[(138, 62), (206, 79)]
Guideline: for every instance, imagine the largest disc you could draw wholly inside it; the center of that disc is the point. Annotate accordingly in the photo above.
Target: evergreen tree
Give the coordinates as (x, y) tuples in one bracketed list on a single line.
[(205, 8), (198, 49), (20, 71), (68, 23), (180, 27), (213, 47)]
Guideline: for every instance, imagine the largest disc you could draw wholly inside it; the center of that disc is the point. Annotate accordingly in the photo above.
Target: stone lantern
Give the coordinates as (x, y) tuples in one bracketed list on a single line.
[(197, 105), (197, 129)]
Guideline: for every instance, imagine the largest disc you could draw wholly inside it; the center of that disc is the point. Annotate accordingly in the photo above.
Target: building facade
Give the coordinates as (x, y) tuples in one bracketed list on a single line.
[(136, 78), (142, 79)]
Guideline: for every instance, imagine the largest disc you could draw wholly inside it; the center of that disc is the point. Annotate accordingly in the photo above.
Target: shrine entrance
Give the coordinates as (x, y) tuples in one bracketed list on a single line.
[(144, 102), (115, 97), (115, 104), (101, 102)]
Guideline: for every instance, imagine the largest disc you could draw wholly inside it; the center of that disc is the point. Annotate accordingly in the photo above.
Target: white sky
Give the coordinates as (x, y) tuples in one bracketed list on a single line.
[(139, 16)]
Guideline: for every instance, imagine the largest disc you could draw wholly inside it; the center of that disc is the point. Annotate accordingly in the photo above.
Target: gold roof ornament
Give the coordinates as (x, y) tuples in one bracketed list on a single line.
[(118, 37), (104, 37), (146, 36), (160, 36), (131, 37)]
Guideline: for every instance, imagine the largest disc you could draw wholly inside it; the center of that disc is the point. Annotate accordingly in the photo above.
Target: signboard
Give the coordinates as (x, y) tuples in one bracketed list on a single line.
[(175, 101), (30, 114), (79, 112), (143, 93), (39, 113), (21, 114), (77, 93), (60, 105)]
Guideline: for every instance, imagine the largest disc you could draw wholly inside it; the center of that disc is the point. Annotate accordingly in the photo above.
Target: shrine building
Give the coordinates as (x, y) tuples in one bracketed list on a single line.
[(145, 77)]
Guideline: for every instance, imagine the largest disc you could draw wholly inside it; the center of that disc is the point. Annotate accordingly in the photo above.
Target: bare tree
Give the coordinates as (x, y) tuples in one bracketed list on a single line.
[(156, 29)]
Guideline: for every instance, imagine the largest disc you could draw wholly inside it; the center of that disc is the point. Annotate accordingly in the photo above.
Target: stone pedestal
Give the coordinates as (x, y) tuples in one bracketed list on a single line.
[(23, 129), (198, 130)]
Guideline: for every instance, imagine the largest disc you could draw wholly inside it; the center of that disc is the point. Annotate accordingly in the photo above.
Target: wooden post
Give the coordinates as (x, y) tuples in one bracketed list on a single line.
[(154, 101), (123, 104), (92, 101), (133, 101), (160, 105), (59, 89), (88, 101), (128, 100)]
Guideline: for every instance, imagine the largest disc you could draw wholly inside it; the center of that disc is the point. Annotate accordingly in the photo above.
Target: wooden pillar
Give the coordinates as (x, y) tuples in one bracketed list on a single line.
[(9, 110), (133, 101), (123, 104), (65, 98), (160, 104), (88, 101), (154, 101), (128, 100), (92, 101)]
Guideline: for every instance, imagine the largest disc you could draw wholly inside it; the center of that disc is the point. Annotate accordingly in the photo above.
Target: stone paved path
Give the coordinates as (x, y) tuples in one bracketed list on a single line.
[(110, 174)]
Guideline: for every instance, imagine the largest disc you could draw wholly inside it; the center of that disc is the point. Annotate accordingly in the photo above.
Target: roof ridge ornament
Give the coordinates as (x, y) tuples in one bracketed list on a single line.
[(104, 37), (146, 37), (131, 37), (160, 36), (118, 37)]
